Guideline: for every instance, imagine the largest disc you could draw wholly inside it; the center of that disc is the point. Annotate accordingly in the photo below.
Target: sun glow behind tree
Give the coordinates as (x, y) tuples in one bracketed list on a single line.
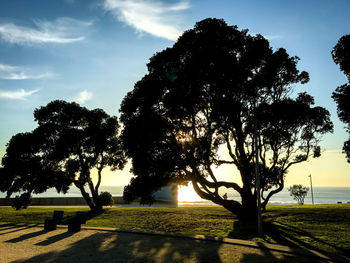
[(187, 194)]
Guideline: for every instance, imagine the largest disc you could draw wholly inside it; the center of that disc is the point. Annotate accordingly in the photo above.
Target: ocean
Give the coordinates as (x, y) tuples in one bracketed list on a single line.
[(322, 195)]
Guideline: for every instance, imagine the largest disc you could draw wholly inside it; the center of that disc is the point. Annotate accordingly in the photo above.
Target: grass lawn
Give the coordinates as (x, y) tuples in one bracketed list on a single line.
[(325, 228)]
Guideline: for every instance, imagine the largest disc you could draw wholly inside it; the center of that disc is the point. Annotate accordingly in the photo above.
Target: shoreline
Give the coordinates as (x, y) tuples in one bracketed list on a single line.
[(119, 202)]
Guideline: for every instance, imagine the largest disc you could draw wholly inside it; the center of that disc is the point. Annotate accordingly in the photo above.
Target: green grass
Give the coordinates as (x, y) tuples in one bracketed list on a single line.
[(320, 227), (324, 228)]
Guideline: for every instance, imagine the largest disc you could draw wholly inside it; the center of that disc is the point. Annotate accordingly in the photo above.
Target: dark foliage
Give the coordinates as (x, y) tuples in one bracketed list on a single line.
[(196, 110), (341, 56), (69, 141), (106, 199)]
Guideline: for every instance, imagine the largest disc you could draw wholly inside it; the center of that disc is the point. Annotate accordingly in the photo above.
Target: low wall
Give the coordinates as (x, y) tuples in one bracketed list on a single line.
[(69, 201), (53, 201)]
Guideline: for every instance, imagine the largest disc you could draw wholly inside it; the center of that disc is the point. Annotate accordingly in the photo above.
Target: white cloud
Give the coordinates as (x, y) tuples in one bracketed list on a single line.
[(18, 95), (62, 31), (16, 73), (83, 97), (7, 68), (153, 17)]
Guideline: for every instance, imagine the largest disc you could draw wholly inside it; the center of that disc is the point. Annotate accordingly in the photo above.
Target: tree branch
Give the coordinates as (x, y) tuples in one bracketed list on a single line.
[(229, 148), (196, 176), (271, 193)]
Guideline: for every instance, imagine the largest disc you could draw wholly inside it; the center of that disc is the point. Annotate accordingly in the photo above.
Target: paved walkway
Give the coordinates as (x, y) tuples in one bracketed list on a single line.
[(30, 243)]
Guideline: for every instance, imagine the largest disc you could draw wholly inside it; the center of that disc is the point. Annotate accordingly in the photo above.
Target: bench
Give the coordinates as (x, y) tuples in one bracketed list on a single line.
[(74, 225), (51, 223)]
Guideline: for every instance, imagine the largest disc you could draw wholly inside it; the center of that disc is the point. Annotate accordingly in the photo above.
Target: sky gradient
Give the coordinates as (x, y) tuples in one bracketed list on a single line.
[(93, 51)]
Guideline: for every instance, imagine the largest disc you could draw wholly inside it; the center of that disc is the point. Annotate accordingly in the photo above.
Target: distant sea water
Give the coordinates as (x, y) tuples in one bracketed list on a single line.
[(322, 195)]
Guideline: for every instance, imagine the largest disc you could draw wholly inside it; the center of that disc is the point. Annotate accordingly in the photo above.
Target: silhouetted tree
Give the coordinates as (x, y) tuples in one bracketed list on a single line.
[(298, 192), (341, 56), (69, 141), (196, 108)]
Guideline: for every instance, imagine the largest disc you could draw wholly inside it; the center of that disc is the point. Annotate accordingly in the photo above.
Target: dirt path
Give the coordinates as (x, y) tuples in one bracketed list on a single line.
[(33, 244)]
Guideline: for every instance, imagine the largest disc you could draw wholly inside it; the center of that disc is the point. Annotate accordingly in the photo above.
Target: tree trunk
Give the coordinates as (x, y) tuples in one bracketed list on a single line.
[(87, 198), (96, 199), (245, 211), (249, 203), (95, 196), (249, 207)]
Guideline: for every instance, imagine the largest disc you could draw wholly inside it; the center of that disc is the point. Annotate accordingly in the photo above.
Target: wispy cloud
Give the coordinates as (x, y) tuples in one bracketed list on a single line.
[(69, 1), (273, 37), (61, 31), (17, 95), (83, 97), (153, 17), (18, 73)]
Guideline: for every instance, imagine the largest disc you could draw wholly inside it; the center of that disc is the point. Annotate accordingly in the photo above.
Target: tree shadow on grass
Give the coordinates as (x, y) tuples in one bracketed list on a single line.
[(269, 256), (289, 235), (243, 230), (279, 234)]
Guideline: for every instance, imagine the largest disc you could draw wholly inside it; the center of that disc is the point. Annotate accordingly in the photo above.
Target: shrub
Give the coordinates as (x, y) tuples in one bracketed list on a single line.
[(106, 199)]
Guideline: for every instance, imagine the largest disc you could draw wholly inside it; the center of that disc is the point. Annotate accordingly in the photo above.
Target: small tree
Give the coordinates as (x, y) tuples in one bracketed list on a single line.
[(69, 141), (298, 192)]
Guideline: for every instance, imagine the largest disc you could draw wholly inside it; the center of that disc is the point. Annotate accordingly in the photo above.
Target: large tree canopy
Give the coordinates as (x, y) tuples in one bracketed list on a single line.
[(197, 107), (341, 56), (69, 141)]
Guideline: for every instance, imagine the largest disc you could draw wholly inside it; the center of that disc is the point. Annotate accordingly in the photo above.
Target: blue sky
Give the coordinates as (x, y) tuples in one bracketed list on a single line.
[(93, 51)]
